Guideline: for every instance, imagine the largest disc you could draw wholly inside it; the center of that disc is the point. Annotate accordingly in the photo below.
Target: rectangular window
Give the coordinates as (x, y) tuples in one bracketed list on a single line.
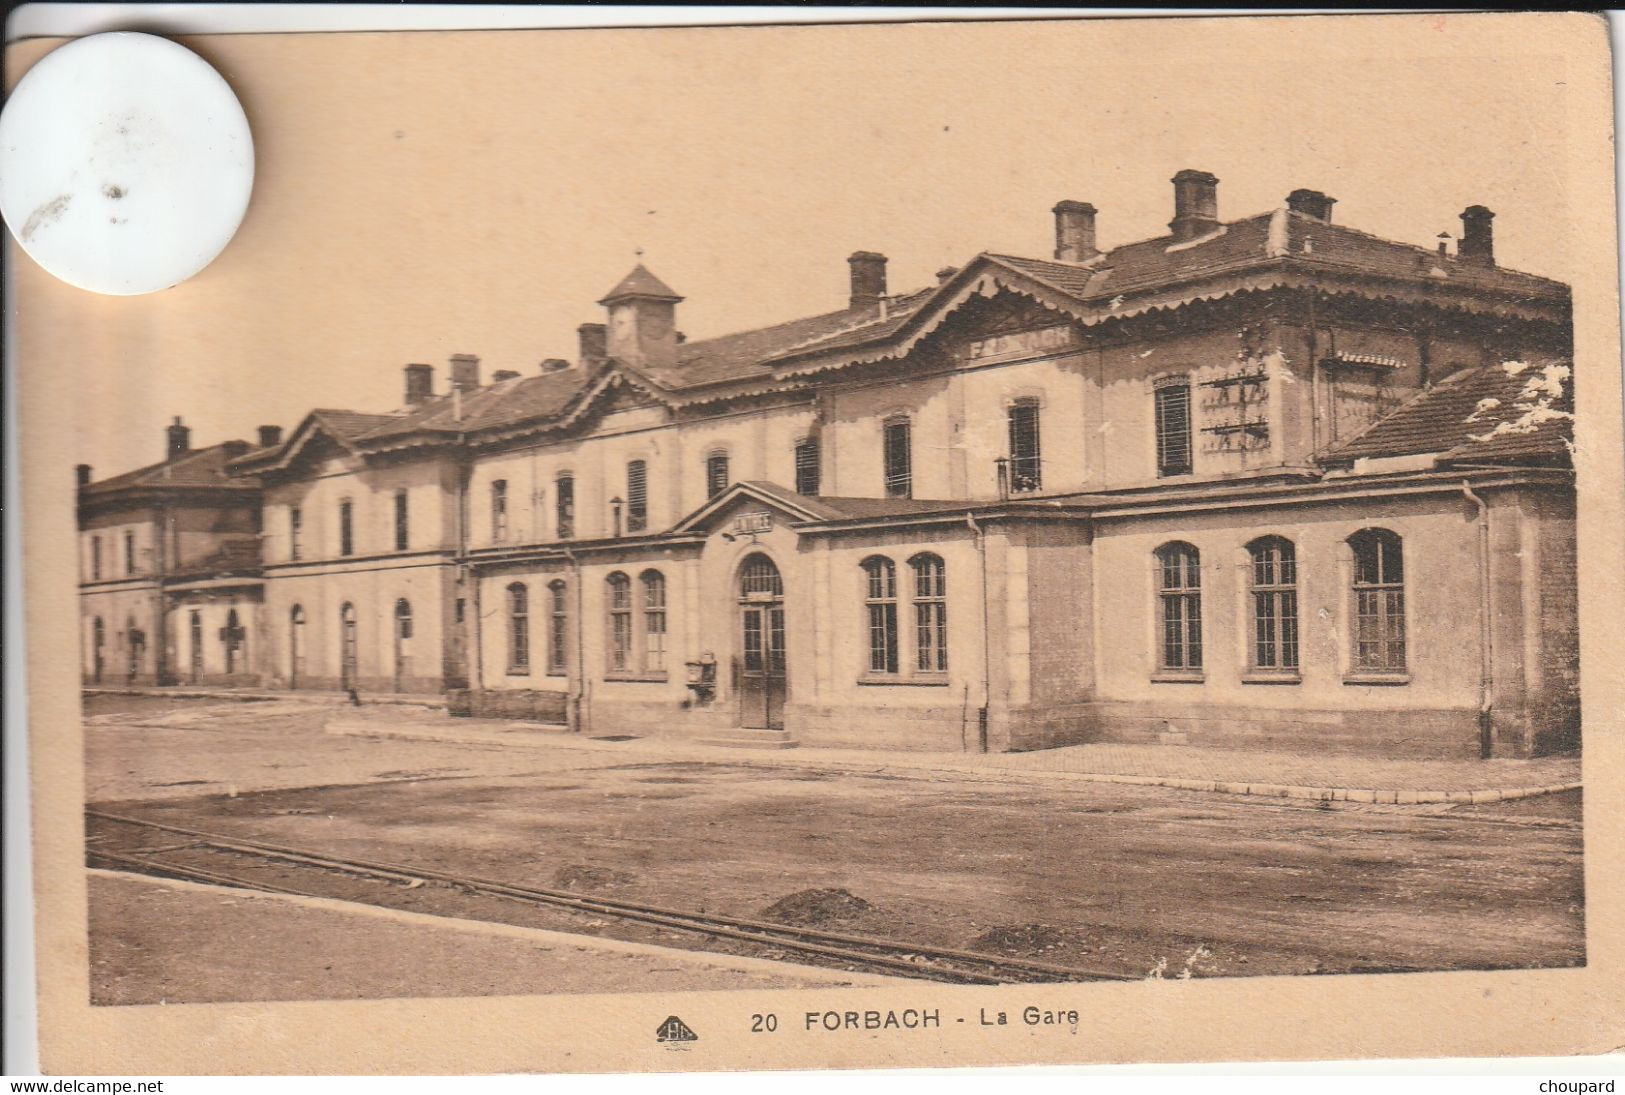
[(499, 510), (296, 539), (1174, 428), (129, 553), (1026, 471), (898, 459), (557, 628), (564, 506), (716, 474), (346, 527), (637, 496), (402, 522), (807, 466), (95, 558)]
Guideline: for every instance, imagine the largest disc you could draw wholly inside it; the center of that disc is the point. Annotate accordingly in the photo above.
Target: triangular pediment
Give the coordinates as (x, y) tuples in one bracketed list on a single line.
[(987, 299), (741, 502)]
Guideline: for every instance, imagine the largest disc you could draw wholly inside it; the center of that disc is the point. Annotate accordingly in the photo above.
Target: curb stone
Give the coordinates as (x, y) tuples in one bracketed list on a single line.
[(1262, 790)]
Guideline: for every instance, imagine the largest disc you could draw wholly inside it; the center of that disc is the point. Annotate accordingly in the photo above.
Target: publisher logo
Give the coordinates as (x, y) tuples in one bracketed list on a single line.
[(675, 1030)]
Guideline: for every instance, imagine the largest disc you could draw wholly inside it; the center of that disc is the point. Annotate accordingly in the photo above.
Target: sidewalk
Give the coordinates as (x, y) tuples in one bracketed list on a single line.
[(434, 701), (1323, 777)]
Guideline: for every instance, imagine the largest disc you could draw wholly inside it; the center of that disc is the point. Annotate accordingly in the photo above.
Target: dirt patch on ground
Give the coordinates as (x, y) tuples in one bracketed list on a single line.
[(1027, 940), (585, 876), (812, 907)]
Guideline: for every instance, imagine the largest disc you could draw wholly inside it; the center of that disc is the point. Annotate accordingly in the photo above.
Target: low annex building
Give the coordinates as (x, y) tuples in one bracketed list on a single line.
[(1268, 481)]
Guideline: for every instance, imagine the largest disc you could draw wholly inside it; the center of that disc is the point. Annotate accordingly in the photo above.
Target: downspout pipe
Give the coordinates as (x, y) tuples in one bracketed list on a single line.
[(575, 716), (1486, 632), (987, 656)]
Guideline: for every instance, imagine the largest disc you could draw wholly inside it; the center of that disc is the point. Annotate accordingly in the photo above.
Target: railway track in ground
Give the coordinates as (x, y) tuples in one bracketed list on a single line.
[(846, 951)]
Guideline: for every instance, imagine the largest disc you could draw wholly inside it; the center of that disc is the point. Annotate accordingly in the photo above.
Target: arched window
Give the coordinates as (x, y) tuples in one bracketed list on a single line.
[(1275, 603), (296, 646), (564, 506), (1379, 601), (1026, 460), (716, 473), (98, 646), (654, 621), (637, 496), (618, 599), (349, 648), (1179, 567), (898, 456), (518, 628), (930, 613), (760, 578), (558, 630), (403, 619), (807, 466), (880, 600)]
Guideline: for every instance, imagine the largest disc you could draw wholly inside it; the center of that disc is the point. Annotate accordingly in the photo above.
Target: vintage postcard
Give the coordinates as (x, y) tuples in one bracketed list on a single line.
[(1056, 541)]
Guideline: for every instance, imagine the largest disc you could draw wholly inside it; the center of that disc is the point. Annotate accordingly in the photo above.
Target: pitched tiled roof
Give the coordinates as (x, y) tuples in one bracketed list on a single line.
[(191, 470), (1517, 411), (506, 402), (640, 283), (1283, 240)]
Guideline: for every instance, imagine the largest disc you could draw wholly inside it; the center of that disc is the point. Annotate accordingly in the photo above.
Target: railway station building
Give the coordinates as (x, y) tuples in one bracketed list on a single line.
[(1270, 481)]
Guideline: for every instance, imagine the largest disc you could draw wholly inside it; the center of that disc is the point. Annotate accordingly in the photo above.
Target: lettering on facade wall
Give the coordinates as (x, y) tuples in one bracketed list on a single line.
[(1018, 343), (760, 521)]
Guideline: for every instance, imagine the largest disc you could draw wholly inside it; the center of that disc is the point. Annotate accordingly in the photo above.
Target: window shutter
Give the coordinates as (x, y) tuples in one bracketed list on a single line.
[(637, 496), (807, 466), (1174, 429)]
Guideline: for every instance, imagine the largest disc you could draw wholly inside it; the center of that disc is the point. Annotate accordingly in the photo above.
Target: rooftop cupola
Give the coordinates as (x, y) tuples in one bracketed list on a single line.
[(642, 320)]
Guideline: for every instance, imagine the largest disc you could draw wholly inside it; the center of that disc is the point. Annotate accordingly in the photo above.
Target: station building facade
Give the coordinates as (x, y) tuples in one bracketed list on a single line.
[(1271, 481)]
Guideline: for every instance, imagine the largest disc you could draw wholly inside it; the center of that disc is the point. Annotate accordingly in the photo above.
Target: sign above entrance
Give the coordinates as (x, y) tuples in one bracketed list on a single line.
[(1018, 343), (759, 521)]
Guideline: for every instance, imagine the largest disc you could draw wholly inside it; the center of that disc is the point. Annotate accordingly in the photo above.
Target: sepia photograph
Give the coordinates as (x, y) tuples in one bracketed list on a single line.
[(849, 509)]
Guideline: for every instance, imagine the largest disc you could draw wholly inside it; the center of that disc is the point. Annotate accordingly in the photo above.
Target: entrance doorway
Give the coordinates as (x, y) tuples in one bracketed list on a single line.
[(194, 633), (348, 653), (403, 643), (296, 646), (762, 672), (98, 643)]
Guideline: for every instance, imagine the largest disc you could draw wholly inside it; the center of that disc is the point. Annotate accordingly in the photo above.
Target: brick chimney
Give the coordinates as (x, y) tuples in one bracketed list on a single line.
[(465, 372), (1074, 232), (235, 449), (1196, 204), (179, 439), (593, 340), (503, 374), (1477, 236), (868, 278), (81, 475), (642, 321), (1311, 203), (419, 384), (270, 436)]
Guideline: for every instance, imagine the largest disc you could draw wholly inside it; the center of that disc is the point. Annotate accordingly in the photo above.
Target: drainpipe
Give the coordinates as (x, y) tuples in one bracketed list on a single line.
[(576, 714), (1486, 637), (987, 657)]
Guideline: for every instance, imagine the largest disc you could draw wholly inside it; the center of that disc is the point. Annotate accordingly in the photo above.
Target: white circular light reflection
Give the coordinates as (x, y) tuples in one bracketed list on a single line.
[(126, 163)]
